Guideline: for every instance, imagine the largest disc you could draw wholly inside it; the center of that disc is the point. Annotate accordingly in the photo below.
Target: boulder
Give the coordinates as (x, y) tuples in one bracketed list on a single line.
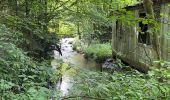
[(110, 66)]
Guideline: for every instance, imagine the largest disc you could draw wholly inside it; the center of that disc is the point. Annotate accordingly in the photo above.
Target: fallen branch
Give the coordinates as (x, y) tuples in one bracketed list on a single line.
[(89, 97)]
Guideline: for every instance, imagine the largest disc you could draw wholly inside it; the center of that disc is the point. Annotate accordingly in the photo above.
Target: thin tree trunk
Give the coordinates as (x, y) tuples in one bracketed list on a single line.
[(26, 8), (78, 30), (16, 7), (78, 24), (45, 16)]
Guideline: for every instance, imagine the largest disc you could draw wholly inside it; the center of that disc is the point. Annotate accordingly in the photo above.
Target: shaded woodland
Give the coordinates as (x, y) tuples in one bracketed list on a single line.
[(84, 49)]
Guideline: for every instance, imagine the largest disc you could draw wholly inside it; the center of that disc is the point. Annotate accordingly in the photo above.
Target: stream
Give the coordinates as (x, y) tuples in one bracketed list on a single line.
[(72, 57)]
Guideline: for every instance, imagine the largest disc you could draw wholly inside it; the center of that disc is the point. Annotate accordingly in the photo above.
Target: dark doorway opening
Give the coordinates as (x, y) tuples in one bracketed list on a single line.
[(143, 36)]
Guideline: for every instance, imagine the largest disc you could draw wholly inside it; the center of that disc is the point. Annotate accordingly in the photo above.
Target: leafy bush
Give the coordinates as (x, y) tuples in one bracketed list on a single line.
[(99, 52), (77, 45), (118, 86), (21, 78)]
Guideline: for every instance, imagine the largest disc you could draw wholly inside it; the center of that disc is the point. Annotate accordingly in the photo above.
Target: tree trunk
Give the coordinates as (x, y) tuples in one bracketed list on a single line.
[(45, 17), (148, 5), (26, 8), (16, 7), (78, 24)]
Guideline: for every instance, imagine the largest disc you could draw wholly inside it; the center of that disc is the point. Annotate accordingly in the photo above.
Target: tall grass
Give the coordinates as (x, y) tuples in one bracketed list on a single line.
[(99, 52)]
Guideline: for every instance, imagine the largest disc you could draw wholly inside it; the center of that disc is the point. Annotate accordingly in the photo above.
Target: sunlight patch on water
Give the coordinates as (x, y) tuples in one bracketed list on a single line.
[(65, 85)]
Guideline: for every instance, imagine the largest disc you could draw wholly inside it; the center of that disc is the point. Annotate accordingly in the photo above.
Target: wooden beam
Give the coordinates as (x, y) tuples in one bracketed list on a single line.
[(142, 67)]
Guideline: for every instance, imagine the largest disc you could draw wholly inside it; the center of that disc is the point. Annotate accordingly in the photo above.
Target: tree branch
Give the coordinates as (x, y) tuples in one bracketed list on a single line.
[(89, 97), (50, 17)]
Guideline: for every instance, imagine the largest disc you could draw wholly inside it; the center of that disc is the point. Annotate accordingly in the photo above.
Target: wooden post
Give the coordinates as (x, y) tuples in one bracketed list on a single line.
[(148, 5)]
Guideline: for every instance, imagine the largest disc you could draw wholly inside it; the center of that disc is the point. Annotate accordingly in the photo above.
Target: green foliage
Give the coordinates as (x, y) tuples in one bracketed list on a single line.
[(21, 77), (100, 52), (67, 29), (119, 86), (95, 17), (30, 19), (77, 45)]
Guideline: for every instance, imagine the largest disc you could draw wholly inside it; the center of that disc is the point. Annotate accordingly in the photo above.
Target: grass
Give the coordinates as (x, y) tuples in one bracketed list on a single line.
[(98, 52)]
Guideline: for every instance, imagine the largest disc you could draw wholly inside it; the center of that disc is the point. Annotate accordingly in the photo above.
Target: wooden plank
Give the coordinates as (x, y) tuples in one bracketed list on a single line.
[(142, 67), (113, 37)]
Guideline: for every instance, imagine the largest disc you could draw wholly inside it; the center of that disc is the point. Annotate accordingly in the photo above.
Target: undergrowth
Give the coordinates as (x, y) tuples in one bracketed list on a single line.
[(21, 78), (130, 85)]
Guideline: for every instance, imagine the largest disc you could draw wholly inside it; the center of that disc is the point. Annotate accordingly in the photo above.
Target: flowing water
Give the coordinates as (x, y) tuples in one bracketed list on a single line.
[(75, 59)]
